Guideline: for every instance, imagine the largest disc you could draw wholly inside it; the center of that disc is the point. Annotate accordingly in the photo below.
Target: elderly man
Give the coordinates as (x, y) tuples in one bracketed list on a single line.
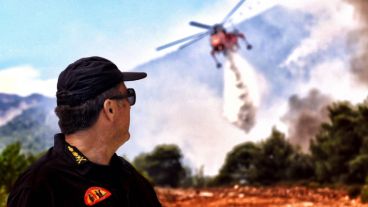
[(82, 169)]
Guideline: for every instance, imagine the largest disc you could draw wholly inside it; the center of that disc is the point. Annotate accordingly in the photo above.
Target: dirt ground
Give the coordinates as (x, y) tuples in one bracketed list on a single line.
[(256, 197)]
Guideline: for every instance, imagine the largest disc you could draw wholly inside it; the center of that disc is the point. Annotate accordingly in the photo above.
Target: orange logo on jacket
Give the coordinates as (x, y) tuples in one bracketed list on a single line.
[(95, 195)]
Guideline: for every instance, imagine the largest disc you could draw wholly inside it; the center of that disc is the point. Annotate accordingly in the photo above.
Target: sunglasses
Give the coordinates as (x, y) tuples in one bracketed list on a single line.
[(130, 96)]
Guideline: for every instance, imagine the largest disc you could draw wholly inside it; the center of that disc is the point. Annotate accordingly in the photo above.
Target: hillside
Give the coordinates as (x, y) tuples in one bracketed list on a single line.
[(29, 120)]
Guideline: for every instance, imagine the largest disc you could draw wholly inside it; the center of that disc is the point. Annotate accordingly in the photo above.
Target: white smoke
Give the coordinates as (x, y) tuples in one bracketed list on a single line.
[(14, 111), (334, 20), (333, 78), (176, 109), (329, 79)]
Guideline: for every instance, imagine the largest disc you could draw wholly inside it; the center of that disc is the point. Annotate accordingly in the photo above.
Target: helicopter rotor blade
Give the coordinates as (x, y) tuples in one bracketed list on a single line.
[(195, 40), (232, 11), (198, 35), (200, 25)]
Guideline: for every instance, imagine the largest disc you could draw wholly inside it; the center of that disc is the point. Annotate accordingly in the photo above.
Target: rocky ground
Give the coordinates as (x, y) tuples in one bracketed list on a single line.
[(280, 196)]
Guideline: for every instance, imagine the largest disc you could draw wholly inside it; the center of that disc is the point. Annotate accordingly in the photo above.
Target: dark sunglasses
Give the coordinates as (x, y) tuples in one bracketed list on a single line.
[(130, 95)]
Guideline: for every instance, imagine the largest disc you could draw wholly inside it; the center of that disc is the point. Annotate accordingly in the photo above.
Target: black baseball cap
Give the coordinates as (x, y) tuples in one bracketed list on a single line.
[(88, 77)]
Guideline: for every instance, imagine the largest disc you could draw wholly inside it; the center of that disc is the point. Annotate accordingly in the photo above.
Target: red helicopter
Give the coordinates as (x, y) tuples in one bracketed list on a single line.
[(221, 40)]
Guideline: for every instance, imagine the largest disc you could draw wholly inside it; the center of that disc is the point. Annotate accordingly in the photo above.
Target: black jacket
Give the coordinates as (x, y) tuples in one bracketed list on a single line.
[(65, 177)]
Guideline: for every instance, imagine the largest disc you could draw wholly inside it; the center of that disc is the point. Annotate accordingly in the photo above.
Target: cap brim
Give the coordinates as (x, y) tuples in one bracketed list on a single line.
[(132, 76)]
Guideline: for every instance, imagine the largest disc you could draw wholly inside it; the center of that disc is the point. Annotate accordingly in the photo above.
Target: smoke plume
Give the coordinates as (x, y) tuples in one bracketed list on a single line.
[(305, 116), (239, 102), (359, 42)]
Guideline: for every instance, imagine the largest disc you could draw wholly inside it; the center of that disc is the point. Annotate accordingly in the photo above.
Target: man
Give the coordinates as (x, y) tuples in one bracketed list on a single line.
[(82, 169)]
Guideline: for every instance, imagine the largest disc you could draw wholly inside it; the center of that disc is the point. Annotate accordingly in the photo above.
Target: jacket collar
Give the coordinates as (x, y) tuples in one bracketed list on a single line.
[(77, 160)]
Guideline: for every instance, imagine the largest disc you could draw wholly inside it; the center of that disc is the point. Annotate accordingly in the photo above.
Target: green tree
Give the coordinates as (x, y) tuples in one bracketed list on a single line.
[(239, 165), (140, 163), (162, 166), (273, 160), (340, 149), (300, 167), (12, 164), (270, 161)]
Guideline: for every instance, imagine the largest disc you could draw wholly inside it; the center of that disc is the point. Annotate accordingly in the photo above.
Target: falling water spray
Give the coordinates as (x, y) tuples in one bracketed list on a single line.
[(241, 92)]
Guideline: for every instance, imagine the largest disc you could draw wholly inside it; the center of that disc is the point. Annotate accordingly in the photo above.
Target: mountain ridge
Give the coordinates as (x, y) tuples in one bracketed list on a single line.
[(29, 120)]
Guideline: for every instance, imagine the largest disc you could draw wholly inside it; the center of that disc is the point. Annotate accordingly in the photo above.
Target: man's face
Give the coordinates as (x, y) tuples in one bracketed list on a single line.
[(123, 116)]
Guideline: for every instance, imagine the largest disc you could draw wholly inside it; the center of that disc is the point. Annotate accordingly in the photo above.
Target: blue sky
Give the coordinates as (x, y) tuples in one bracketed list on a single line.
[(49, 34)]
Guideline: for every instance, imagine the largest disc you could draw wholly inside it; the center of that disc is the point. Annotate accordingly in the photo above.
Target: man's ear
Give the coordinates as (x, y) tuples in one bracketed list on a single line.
[(108, 109)]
